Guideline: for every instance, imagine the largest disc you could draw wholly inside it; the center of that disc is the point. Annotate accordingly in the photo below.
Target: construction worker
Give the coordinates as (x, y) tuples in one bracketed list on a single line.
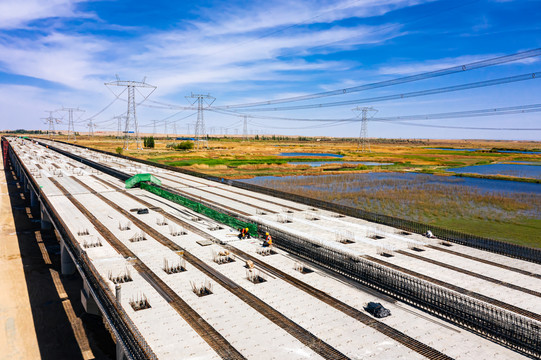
[(242, 234), (268, 240)]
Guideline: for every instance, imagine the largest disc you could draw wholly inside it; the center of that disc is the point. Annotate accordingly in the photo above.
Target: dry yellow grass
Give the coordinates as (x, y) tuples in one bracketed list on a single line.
[(237, 159)]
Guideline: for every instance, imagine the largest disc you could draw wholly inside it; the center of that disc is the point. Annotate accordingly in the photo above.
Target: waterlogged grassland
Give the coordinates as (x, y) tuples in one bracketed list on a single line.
[(233, 158), (508, 216)]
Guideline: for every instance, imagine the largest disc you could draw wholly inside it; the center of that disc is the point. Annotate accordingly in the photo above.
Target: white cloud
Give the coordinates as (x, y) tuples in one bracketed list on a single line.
[(65, 59), (18, 13), (283, 14)]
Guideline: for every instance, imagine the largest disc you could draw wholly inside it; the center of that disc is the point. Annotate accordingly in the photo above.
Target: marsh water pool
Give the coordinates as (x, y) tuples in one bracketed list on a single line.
[(310, 154), (495, 151), (321, 163), (518, 170)]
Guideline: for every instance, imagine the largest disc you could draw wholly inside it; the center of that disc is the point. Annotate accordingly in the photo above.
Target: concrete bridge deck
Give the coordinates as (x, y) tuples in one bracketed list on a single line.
[(288, 315)]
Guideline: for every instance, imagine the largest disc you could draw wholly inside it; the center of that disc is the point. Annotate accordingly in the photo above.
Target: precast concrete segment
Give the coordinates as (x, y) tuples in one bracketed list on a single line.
[(392, 333), (175, 180), (471, 273), (301, 334), (472, 294), (221, 187), (484, 261), (190, 195), (236, 200), (204, 329)]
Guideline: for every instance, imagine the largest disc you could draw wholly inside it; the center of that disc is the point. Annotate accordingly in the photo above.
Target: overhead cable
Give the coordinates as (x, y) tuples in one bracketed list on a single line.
[(463, 127), (446, 89), (427, 75)]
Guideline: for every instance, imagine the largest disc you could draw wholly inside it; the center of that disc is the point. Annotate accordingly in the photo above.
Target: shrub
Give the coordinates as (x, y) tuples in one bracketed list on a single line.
[(148, 142), (119, 150), (185, 145)]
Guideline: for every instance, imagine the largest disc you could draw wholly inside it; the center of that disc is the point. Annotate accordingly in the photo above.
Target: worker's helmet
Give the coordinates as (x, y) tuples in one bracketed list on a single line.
[(266, 233), (246, 229)]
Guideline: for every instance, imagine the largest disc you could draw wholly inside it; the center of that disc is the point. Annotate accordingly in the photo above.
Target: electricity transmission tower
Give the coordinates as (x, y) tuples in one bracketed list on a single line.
[(203, 101), (119, 126), (71, 127), (51, 121), (245, 129), (131, 116), (364, 112), (91, 126)]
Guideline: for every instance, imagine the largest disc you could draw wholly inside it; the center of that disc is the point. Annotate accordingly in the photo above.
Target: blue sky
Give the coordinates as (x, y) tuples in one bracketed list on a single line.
[(60, 52)]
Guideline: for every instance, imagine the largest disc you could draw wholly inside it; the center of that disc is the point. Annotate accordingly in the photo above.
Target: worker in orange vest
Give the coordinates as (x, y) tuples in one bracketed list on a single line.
[(242, 234), (268, 240)]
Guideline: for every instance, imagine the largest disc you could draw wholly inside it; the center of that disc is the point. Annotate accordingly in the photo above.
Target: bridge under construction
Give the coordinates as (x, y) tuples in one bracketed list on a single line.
[(161, 262)]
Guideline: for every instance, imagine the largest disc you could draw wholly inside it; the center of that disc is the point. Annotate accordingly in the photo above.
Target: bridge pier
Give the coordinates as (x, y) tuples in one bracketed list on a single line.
[(23, 182), (33, 199), (67, 266), (120, 352), (88, 301), (45, 220)]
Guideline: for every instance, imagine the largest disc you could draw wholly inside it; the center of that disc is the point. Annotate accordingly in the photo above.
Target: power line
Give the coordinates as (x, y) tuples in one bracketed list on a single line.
[(510, 110), (474, 85), (456, 114), (464, 127), (427, 75)]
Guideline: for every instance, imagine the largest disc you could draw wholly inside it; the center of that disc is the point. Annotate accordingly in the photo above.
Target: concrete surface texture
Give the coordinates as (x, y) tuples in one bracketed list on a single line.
[(150, 242)]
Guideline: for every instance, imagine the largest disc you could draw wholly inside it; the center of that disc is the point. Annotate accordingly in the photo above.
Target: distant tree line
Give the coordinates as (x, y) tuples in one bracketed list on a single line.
[(23, 131)]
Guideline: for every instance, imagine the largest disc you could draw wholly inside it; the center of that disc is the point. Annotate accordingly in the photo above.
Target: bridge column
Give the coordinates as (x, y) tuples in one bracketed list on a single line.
[(33, 199), (66, 263), (88, 301), (45, 220), (26, 185), (120, 352)]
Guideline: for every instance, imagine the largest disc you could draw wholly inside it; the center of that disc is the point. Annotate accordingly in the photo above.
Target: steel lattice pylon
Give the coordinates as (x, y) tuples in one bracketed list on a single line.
[(91, 127), (245, 128), (203, 101), (51, 121), (363, 138), (71, 126), (131, 114)]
